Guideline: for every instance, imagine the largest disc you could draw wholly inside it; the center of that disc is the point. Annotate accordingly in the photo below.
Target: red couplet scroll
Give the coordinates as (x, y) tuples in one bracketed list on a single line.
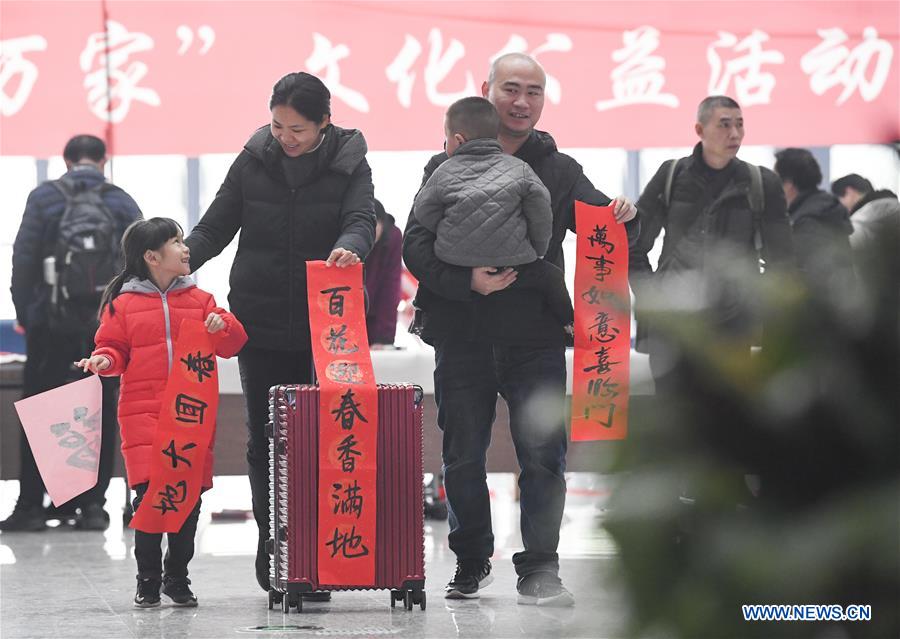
[(187, 422), (348, 422), (602, 326)]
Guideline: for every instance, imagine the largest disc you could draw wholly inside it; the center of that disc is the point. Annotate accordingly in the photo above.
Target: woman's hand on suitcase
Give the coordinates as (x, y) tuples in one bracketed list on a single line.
[(214, 323), (94, 363)]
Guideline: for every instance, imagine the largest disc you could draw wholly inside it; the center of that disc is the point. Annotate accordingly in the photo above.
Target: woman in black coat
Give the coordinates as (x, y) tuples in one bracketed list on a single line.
[(300, 190)]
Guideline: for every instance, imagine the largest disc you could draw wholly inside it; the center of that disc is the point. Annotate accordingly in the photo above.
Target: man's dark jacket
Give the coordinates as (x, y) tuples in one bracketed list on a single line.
[(512, 316), (36, 239), (709, 219), (283, 227), (822, 229)]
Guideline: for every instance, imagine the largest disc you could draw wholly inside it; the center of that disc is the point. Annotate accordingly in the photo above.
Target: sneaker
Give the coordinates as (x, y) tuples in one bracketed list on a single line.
[(543, 589), (25, 519), (471, 576), (147, 595), (92, 517), (179, 591), (64, 514)]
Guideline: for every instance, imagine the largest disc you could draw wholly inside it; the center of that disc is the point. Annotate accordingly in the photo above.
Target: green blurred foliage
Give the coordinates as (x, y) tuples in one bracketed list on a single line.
[(814, 416)]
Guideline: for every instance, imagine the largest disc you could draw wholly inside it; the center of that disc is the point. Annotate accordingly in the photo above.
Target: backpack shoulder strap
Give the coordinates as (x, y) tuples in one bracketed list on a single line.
[(757, 199), (756, 195), (65, 186), (670, 179)]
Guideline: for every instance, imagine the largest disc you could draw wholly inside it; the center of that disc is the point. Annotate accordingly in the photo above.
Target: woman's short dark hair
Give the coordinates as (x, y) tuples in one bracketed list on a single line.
[(304, 93), (800, 167)]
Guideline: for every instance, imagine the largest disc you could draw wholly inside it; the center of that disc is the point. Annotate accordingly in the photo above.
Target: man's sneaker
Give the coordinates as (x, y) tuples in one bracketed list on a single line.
[(471, 576), (179, 591), (147, 595), (543, 589), (92, 517), (25, 519)]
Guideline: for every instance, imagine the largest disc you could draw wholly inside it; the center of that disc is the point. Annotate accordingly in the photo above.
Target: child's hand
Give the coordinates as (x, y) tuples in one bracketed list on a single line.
[(214, 323), (94, 363)]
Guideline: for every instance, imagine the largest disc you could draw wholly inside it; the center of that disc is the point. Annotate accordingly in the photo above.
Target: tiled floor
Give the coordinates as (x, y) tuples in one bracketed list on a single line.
[(69, 583)]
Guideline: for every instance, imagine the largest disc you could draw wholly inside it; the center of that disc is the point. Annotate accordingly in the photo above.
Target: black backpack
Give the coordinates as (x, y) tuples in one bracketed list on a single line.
[(756, 197), (87, 255)]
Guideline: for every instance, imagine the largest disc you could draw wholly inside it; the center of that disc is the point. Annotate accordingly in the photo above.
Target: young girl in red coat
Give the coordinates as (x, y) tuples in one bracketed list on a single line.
[(140, 317)]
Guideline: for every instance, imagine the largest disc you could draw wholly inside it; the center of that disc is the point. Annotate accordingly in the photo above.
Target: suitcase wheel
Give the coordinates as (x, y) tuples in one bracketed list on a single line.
[(275, 597), (408, 599), (419, 598), (291, 600)]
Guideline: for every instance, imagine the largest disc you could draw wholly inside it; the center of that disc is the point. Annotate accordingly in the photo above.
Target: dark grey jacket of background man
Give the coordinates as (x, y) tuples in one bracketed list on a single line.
[(450, 306), (282, 226), (821, 229)]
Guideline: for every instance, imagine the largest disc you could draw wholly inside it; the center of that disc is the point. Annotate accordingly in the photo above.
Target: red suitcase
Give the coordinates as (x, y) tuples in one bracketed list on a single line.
[(293, 477)]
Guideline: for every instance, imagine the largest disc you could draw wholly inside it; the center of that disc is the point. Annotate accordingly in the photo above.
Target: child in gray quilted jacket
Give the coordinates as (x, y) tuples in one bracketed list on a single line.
[(488, 208)]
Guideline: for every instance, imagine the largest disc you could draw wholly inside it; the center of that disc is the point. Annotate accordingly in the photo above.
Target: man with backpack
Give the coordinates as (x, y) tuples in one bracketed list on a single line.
[(699, 311), (66, 250)]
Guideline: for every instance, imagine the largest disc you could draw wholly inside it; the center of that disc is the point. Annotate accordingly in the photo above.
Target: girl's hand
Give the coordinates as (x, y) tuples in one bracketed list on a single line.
[(214, 323), (342, 257), (94, 363)]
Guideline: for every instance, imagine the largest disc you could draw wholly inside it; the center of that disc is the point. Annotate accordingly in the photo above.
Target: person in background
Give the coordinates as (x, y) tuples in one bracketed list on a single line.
[(51, 345), (818, 220), (383, 270), (874, 213)]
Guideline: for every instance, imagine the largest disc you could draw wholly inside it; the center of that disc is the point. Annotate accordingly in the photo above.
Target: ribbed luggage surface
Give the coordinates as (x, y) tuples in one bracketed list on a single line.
[(400, 546)]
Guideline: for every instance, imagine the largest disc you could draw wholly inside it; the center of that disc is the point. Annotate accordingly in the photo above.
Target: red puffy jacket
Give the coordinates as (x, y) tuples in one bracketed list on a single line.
[(139, 342)]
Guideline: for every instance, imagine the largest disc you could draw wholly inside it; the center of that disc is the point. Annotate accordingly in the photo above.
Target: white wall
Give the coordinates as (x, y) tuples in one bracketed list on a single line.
[(159, 184)]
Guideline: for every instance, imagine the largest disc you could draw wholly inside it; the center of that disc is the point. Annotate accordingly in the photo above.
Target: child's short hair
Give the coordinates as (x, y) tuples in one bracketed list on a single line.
[(474, 118)]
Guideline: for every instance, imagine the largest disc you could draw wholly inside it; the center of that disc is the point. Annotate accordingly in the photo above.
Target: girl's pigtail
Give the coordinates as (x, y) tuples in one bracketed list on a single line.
[(112, 292)]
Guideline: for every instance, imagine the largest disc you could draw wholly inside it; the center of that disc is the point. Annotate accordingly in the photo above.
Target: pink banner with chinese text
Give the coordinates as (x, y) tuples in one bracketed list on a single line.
[(63, 426), (195, 78)]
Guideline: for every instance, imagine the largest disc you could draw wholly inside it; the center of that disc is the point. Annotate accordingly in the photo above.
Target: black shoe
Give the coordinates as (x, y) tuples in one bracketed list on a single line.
[(262, 565), (147, 595), (543, 589), (25, 519), (316, 595), (471, 576), (179, 591), (92, 517), (65, 514)]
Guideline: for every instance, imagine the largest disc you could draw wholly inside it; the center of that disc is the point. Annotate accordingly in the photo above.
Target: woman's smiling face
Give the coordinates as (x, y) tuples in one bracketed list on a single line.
[(295, 133)]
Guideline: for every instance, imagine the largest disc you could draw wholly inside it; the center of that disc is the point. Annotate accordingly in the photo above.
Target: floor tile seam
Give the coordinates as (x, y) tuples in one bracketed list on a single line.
[(103, 598)]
